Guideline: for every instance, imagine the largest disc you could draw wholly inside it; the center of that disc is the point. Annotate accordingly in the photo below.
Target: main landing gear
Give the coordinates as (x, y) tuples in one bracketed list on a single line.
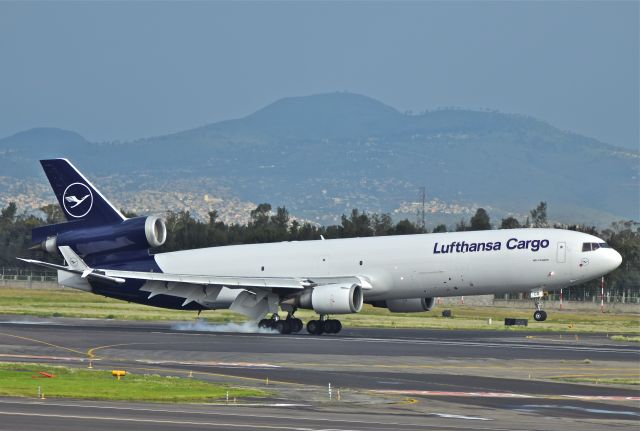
[(330, 326), (283, 326), (539, 315), (292, 325)]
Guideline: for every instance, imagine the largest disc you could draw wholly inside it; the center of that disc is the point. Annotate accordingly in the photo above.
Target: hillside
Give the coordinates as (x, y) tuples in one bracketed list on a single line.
[(322, 155)]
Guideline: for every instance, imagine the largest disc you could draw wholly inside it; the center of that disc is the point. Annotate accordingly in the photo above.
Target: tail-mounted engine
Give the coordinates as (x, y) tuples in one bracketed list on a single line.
[(137, 233)]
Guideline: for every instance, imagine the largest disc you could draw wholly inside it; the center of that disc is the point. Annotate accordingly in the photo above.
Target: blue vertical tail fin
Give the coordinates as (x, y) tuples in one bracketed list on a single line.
[(78, 198)]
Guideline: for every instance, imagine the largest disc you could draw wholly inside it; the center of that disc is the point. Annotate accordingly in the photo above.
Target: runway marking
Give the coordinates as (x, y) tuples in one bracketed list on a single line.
[(470, 418), (54, 358), (504, 395), (570, 376), (579, 364), (453, 394), (492, 345), (601, 398), (43, 342), (514, 345), (91, 351), (286, 417), (159, 421), (209, 364)]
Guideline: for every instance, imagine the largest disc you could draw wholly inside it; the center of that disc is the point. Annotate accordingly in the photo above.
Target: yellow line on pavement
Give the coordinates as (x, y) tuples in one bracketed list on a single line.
[(43, 342)]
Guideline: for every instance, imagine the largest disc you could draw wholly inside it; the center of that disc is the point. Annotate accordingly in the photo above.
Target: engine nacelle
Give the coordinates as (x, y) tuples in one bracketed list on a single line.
[(408, 305), (332, 299), (132, 234)]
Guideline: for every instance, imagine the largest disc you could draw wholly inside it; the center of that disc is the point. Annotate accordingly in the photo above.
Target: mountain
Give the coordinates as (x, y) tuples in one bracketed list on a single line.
[(18, 152), (321, 155)]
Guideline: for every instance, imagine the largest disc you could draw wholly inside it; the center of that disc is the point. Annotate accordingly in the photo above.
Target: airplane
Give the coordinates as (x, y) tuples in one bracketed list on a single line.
[(108, 254)]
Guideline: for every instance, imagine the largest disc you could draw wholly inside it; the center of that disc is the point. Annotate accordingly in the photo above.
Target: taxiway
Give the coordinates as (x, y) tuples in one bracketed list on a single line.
[(388, 379)]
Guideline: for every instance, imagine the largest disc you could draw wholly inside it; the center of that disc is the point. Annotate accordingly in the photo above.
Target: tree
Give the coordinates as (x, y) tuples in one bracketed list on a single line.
[(480, 221), (260, 215), (53, 213), (213, 217), (461, 226), (539, 215), (405, 227), (8, 214), (358, 225), (510, 223), (440, 228), (382, 224), (281, 219)]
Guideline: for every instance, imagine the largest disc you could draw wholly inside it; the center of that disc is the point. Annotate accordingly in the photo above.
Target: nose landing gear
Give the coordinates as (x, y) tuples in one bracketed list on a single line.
[(539, 315)]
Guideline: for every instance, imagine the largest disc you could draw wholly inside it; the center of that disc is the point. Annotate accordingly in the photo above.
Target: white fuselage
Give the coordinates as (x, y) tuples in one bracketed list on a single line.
[(414, 266)]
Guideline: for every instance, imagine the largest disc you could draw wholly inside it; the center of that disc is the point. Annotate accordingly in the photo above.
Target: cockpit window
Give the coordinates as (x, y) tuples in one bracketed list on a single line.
[(589, 246)]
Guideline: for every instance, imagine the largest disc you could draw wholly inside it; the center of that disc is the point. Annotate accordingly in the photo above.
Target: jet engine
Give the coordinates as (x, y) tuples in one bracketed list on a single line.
[(332, 299), (409, 305), (132, 234)]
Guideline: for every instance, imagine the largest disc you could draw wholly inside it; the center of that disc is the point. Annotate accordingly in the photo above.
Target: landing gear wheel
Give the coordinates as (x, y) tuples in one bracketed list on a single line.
[(332, 326), (540, 315), (265, 324), (283, 326), (315, 327), (296, 324)]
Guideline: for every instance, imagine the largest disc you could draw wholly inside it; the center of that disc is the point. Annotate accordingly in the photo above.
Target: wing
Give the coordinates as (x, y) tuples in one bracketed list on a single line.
[(78, 266), (257, 298)]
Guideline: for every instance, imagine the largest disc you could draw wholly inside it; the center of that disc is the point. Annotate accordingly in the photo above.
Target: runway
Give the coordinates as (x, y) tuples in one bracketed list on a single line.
[(405, 379)]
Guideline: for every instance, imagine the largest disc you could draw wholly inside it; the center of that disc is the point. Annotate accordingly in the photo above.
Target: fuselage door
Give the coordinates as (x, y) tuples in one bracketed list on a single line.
[(561, 254)]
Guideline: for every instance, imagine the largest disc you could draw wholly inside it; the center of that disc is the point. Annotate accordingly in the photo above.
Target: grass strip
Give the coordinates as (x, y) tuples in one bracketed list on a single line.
[(600, 380), (23, 380), (625, 338)]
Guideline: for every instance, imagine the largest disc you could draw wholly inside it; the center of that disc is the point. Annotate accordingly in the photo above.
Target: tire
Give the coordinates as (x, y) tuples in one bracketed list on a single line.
[(540, 315), (338, 326), (315, 327), (283, 327), (263, 324), (296, 325), (329, 326), (332, 326)]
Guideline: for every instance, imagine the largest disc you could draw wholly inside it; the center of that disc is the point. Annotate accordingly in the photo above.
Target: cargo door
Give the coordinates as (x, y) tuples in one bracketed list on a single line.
[(561, 253)]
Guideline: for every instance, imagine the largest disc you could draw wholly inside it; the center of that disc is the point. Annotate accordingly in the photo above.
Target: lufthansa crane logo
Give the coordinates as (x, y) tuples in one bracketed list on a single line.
[(77, 200)]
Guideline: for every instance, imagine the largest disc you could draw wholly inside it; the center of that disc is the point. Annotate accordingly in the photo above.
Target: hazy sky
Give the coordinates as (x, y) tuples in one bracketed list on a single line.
[(129, 70)]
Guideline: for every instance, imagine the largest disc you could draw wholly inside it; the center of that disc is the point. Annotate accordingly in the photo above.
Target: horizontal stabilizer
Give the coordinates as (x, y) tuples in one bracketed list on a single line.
[(87, 273)]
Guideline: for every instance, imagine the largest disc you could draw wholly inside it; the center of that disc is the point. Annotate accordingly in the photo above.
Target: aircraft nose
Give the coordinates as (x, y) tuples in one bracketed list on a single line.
[(616, 259)]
